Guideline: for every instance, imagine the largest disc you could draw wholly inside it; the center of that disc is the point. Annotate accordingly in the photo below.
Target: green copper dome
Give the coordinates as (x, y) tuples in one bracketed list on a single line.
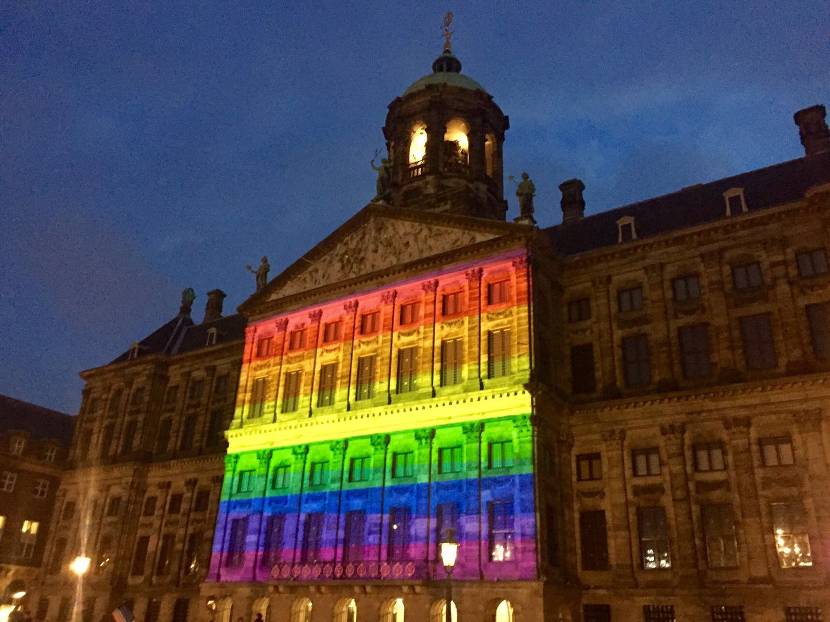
[(445, 70)]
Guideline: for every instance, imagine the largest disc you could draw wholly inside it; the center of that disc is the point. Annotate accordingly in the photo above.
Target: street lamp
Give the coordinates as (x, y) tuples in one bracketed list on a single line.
[(80, 565), (449, 553)]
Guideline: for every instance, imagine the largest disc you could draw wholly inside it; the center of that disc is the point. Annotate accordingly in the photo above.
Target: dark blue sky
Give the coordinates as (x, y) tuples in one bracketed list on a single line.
[(150, 146)]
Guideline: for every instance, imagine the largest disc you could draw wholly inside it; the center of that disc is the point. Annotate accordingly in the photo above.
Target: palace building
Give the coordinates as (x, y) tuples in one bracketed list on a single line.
[(620, 417)]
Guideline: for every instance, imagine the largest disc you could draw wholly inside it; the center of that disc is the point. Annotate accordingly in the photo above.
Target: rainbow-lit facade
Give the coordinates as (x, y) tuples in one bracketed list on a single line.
[(370, 425)]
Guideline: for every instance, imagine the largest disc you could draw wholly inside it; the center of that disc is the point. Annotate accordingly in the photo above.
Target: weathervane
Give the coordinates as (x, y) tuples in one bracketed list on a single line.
[(447, 32)]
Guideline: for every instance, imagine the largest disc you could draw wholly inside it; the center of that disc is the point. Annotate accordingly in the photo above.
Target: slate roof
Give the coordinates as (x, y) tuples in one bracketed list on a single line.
[(41, 423), (694, 205)]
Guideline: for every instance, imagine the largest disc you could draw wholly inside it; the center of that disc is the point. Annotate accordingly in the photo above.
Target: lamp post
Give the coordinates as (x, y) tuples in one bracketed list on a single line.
[(449, 553), (79, 567)]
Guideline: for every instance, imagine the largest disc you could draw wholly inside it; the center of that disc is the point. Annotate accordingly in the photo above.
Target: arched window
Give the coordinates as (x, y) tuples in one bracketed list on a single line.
[(418, 143), (345, 610), (504, 612), (489, 155), (438, 611), (456, 144), (262, 608), (392, 611), (301, 610)]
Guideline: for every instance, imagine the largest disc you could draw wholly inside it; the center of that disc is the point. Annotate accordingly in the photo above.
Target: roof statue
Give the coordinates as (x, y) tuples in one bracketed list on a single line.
[(447, 32), (384, 180), (261, 272), (525, 191), (188, 296)]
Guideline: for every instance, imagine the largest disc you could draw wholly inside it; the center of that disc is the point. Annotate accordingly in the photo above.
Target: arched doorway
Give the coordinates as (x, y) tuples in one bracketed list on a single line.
[(438, 611), (392, 610), (261, 607), (345, 610), (504, 612), (301, 610)]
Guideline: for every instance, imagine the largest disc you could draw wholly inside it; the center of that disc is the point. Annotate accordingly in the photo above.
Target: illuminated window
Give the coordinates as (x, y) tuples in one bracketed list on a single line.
[(451, 304), (812, 263), (245, 481), (452, 353), (2, 522), (7, 481), (399, 520), (588, 467), (257, 399), (296, 339), (403, 464), (280, 477), (777, 451), (359, 469), (408, 313), (369, 323), (446, 523), (646, 461), (41, 488), (263, 347), (317, 473), (792, 542), (498, 292), (498, 353), (328, 382), (291, 391), (407, 369), (654, 538), (659, 613), (365, 388), (728, 613), (28, 539), (331, 331), (456, 143), (719, 532), (418, 144), (709, 457), (500, 454), (686, 288), (500, 533), (450, 459), (803, 614), (236, 542)]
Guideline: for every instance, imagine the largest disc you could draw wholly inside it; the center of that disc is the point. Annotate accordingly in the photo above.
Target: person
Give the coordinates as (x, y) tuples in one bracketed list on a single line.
[(258, 618), (261, 273)]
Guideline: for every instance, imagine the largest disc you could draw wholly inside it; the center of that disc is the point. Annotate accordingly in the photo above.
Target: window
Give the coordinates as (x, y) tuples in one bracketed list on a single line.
[(646, 461), (593, 540), (202, 501), (105, 554), (280, 477), (50, 453), (140, 556), (7, 481), (245, 481), (58, 553), (163, 437), (213, 435), (153, 610), (149, 508), (65, 609), (694, 351), (812, 263), (719, 532), (28, 539), (128, 437), (210, 340), (636, 361), (188, 433), (498, 353), (18, 445), (583, 379), (728, 613), (747, 276), (408, 313), (274, 530), (181, 606), (709, 457), (734, 199), (451, 304), (369, 323), (818, 317), (498, 292), (354, 536), (114, 506), (500, 534), (452, 353), (331, 331), (777, 451), (328, 382), (171, 397), (407, 369), (398, 534), (106, 440), (359, 469), (450, 460), (41, 488), (588, 467), (296, 339), (291, 391), (365, 385), (115, 403), (658, 613), (257, 399), (446, 523), (803, 614), (263, 347), (312, 537), (686, 288), (68, 511), (403, 464), (197, 387), (236, 542), (500, 454), (654, 538), (579, 310), (174, 506), (626, 232), (596, 613), (317, 473), (792, 542), (137, 397), (758, 343), (630, 299)]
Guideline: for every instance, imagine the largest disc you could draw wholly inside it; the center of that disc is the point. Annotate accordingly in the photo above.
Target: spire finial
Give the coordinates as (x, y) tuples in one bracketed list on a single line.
[(447, 32)]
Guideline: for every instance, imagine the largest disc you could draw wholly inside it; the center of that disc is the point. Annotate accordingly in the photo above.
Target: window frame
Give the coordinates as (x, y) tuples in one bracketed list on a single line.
[(590, 460), (650, 454)]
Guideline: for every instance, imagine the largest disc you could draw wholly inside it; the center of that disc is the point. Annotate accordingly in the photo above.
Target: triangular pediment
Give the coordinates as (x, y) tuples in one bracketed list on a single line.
[(378, 238)]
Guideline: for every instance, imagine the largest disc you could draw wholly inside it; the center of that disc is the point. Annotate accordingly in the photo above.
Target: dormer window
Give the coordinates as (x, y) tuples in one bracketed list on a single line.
[(50, 453), (18, 445), (133, 355), (211, 337), (626, 231), (735, 202)]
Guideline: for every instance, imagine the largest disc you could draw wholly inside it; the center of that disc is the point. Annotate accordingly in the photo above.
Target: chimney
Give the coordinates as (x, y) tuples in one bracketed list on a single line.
[(813, 129), (573, 205), (213, 308)]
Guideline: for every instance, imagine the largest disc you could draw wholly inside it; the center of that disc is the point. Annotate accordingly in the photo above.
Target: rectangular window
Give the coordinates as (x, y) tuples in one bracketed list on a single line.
[(812, 263), (114, 506), (758, 342), (245, 480), (280, 477), (128, 437), (593, 540), (654, 538), (694, 351), (359, 469), (446, 523), (331, 331), (803, 614), (408, 313), (630, 299), (579, 310), (181, 606), (452, 359), (149, 508), (451, 304), (636, 361), (370, 323), (596, 613), (188, 433), (354, 536), (171, 397), (236, 542), (450, 459), (407, 369), (498, 292), (296, 339), (220, 388), (291, 391), (41, 488), (399, 519), (140, 556), (747, 276), (106, 440), (659, 613), (165, 554), (197, 387), (646, 461), (583, 379), (202, 501), (272, 551), (403, 464), (686, 288), (498, 353), (719, 532), (500, 454), (365, 385), (792, 541), (588, 467), (175, 504), (163, 436), (818, 317), (328, 382), (709, 457), (318, 473), (263, 347), (58, 553), (312, 537), (257, 399), (68, 511), (153, 610), (728, 613), (115, 403), (500, 533), (777, 451), (216, 425)]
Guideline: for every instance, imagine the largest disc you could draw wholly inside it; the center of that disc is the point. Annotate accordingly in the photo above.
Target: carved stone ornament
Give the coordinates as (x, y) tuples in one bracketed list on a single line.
[(351, 306), (613, 435), (281, 324), (338, 447), (299, 451), (474, 274), (520, 263), (472, 431), (424, 437), (315, 315), (379, 441), (264, 455), (389, 297), (430, 286), (379, 243)]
